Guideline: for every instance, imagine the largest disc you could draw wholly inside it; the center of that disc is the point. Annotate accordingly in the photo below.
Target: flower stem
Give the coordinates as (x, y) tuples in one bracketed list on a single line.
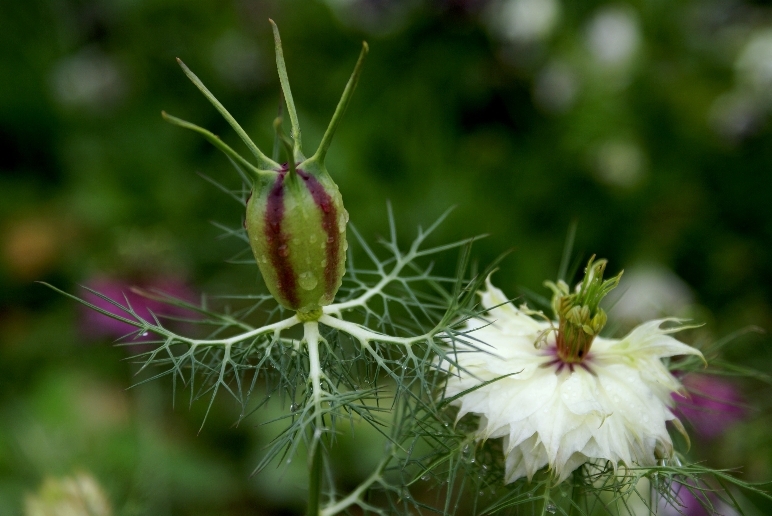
[(321, 152), (546, 497), (315, 478), (311, 334), (285, 88), (576, 493)]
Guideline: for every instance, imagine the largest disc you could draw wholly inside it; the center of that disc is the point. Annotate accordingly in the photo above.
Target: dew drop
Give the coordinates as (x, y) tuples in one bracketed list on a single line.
[(330, 239), (312, 238), (345, 245), (342, 221), (551, 508), (425, 478), (323, 263), (480, 493), (307, 280), (294, 407), (472, 460), (283, 250), (295, 241), (145, 334)]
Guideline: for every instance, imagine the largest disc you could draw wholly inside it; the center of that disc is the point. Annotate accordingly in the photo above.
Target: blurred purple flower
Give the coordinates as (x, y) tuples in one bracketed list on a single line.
[(95, 325), (693, 501), (711, 406)]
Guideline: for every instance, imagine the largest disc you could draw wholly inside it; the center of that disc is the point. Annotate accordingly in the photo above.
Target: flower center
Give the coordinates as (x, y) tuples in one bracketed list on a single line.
[(580, 318)]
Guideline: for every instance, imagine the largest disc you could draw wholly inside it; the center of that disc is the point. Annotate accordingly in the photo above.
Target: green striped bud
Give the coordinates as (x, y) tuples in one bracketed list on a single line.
[(296, 224), (295, 220)]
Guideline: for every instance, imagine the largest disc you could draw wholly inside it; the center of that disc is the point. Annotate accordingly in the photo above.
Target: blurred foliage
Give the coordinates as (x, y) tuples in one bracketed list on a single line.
[(647, 122)]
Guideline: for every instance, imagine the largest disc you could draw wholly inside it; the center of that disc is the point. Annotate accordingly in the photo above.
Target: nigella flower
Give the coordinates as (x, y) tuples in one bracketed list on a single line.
[(570, 397)]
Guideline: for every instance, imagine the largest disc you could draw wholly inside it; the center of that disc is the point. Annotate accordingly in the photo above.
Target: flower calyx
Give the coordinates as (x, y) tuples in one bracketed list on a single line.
[(580, 318)]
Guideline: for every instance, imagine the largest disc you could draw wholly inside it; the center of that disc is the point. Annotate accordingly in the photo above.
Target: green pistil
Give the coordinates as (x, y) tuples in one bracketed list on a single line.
[(580, 318)]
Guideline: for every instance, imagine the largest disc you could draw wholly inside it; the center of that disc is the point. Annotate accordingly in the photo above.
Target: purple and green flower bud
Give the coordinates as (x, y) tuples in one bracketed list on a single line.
[(295, 220), (580, 318), (296, 224)]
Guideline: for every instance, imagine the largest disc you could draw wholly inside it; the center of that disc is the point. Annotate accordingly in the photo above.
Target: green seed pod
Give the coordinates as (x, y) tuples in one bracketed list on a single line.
[(296, 224), (295, 220)]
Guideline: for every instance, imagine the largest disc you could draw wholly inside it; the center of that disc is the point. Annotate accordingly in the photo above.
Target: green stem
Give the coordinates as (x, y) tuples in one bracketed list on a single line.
[(315, 478), (285, 87), (214, 140), (321, 152), (311, 336), (545, 496), (263, 161), (576, 492)]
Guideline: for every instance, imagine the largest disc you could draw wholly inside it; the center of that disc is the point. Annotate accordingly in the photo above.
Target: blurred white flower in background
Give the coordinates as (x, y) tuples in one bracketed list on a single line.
[(556, 87), (742, 111), (78, 495), (736, 115), (524, 21), (620, 163), (89, 79), (754, 64), (646, 292), (237, 60), (374, 16), (613, 35), (560, 410)]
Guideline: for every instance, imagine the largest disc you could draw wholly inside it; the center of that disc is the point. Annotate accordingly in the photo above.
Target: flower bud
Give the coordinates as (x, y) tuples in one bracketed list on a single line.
[(295, 220), (296, 224)]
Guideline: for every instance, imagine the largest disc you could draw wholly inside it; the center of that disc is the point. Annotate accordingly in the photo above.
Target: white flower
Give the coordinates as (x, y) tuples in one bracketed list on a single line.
[(613, 405)]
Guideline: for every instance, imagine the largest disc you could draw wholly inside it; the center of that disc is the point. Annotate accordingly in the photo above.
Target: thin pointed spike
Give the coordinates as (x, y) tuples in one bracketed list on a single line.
[(287, 144), (276, 139), (262, 160), (567, 250), (321, 152), (213, 139), (285, 87)]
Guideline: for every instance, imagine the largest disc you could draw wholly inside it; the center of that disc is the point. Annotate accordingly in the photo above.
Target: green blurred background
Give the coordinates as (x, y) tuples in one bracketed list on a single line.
[(646, 122)]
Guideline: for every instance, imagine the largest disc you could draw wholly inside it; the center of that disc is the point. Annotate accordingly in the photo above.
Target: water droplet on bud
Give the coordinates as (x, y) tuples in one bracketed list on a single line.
[(307, 280), (283, 250), (342, 221)]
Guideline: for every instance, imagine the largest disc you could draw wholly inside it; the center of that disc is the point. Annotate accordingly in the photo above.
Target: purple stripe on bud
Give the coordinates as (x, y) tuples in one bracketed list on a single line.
[(278, 242)]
